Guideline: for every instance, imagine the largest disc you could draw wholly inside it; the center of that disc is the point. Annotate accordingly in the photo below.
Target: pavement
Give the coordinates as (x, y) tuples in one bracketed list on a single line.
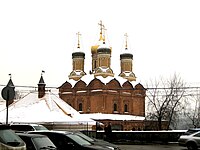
[(152, 147)]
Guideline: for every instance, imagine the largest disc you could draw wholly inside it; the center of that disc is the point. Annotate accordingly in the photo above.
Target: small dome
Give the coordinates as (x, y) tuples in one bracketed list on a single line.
[(78, 49), (103, 48), (78, 55), (126, 56)]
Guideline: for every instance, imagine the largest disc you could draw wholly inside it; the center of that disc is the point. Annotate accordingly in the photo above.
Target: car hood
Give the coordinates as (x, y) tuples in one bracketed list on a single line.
[(104, 143), (95, 147)]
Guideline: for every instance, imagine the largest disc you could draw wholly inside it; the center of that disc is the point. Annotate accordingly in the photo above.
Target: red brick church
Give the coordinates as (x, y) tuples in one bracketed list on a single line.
[(101, 91)]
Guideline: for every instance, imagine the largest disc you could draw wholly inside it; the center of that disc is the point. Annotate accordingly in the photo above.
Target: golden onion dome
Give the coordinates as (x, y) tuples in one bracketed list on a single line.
[(95, 47), (101, 39)]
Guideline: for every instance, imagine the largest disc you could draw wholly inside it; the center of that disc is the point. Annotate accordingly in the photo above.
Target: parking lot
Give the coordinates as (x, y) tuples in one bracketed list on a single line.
[(152, 147)]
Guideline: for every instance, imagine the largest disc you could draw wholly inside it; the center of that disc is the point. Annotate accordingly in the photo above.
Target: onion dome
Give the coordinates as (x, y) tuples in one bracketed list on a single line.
[(78, 55), (101, 40), (103, 48), (78, 51), (126, 56), (126, 52)]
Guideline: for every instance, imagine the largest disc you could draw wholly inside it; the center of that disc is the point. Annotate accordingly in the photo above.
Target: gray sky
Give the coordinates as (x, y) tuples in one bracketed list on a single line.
[(164, 37)]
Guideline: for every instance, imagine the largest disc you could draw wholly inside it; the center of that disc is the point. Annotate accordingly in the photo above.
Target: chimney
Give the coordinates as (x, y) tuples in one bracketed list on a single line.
[(41, 87)]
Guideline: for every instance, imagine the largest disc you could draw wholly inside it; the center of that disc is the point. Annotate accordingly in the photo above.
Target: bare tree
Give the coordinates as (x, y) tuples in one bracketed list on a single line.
[(192, 109), (164, 100)]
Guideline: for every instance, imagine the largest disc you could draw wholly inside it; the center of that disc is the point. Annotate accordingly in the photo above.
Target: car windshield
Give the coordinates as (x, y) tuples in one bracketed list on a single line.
[(43, 142), (78, 139), (191, 131), (40, 128), (8, 137), (85, 137)]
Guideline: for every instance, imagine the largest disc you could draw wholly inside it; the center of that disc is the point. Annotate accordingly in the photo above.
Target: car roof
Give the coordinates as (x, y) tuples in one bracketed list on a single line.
[(28, 124), (31, 135), (198, 129), (195, 133), (52, 131), (4, 127)]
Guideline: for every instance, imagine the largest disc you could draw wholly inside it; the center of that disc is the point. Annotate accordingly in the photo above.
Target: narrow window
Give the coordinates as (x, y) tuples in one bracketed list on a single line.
[(125, 108), (115, 107), (80, 107)]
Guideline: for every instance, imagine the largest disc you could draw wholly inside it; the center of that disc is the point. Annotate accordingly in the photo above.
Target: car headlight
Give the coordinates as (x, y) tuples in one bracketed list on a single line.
[(111, 148)]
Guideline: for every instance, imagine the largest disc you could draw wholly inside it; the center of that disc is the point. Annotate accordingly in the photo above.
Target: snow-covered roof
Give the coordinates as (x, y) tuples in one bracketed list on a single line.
[(89, 77), (50, 108), (101, 116)]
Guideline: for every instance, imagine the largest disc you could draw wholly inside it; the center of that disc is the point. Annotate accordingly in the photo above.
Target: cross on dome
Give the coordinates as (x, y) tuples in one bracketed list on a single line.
[(78, 34), (126, 40)]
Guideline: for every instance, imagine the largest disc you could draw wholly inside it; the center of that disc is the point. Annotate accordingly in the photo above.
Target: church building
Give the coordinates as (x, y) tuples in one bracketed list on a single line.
[(101, 91)]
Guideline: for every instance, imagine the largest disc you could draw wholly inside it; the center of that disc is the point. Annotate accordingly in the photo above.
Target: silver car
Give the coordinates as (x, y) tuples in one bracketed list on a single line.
[(192, 141)]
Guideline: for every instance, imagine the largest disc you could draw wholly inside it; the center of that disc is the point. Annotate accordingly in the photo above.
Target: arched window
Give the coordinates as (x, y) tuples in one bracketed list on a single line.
[(115, 107), (125, 108), (80, 107)]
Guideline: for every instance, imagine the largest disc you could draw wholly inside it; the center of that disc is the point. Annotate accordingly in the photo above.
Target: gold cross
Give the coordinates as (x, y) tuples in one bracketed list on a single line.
[(126, 38), (101, 26), (78, 34), (104, 33)]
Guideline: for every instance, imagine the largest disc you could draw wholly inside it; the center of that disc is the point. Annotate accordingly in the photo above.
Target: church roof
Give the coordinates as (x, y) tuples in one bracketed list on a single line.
[(90, 77), (50, 108)]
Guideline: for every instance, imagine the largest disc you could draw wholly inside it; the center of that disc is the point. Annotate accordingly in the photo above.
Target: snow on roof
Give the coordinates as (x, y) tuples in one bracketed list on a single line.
[(89, 77), (50, 108), (100, 116)]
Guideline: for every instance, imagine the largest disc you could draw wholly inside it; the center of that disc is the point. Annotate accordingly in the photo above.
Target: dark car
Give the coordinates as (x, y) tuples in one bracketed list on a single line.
[(68, 140), (37, 141), (9, 140), (98, 141)]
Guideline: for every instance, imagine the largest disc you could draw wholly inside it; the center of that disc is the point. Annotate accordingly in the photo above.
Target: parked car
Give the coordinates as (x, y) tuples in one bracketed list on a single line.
[(37, 141), (9, 140), (192, 141), (68, 140), (26, 127), (191, 131), (97, 141)]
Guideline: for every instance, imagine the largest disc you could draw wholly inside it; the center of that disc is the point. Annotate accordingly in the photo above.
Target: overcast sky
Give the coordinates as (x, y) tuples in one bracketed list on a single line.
[(164, 37)]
